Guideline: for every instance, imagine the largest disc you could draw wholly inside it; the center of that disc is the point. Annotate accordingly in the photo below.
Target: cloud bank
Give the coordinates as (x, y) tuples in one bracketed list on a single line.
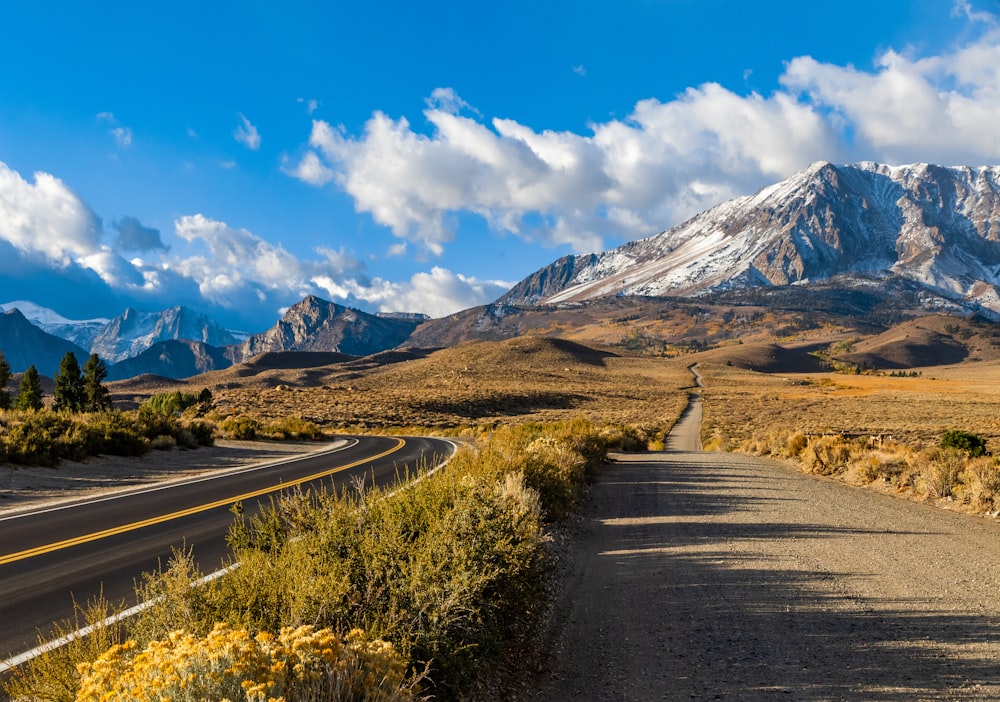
[(51, 239), (667, 160)]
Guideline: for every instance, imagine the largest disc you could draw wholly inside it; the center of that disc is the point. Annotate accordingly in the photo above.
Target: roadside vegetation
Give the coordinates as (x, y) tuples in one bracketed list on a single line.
[(81, 422), (956, 473), (438, 587), (919, 437)]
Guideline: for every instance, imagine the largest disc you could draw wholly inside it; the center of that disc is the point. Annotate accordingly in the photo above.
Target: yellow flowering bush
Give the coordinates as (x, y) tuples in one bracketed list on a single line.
[(299, 663)]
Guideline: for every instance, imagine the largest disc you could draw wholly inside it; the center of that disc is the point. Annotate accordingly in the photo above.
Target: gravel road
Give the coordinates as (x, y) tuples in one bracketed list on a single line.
[(719, 576)]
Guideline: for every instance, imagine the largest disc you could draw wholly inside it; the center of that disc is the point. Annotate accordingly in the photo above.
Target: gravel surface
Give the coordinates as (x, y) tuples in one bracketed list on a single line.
[(720, 576)]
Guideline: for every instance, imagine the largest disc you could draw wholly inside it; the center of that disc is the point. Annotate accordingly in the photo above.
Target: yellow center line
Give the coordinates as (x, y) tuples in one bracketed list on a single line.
[(86, 538)]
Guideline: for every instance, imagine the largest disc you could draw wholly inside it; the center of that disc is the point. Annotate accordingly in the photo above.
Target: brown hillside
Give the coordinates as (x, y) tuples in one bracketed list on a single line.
[(283, 360), (478, 383), (936, 340), (763, 358)]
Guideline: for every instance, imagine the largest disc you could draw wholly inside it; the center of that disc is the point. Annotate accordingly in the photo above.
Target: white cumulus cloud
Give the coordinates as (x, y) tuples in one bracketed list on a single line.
[(626, 179), (668, 159), (235, 260), (437, 293), (46, 218), (940, 108)]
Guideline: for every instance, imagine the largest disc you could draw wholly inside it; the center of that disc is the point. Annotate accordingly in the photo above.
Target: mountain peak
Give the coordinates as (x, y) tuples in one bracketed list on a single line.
[(134, 331), (933, 225), (315, 324)]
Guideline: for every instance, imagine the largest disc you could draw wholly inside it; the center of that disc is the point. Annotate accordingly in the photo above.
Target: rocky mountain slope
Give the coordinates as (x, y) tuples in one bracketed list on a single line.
[(81, 332), (174, 358), (135, 331), (318, 325), (24, 344), (938, 227)]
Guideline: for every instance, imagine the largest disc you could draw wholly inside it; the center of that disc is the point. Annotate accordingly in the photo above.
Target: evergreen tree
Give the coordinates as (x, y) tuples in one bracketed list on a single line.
[(30, 395), (96, 396), (69, 389), (5, 401)]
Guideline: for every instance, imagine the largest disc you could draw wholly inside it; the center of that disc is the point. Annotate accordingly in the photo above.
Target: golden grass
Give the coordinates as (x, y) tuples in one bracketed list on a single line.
[(473, 385), (915, 411)]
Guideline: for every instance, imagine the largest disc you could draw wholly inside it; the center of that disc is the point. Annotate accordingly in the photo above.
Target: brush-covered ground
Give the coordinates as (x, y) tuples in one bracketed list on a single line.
[(473, 385)]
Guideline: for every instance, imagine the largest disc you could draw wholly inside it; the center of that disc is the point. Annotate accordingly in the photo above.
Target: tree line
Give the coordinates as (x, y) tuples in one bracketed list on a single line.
[(76, 390)]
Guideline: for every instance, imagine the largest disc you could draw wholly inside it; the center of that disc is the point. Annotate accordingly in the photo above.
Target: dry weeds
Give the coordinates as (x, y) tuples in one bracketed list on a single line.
[(876, 431)]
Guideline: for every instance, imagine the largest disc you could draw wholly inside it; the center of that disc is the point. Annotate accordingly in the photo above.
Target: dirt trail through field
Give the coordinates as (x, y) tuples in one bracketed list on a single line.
[(719, 576)]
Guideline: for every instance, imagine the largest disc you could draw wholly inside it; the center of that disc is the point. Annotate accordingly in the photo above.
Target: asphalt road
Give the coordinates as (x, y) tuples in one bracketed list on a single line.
[(51, 557)]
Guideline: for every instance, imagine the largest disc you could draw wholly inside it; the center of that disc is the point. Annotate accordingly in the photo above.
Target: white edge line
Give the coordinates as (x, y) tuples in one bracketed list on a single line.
[(338, 445), (85, 631), (23, 658)]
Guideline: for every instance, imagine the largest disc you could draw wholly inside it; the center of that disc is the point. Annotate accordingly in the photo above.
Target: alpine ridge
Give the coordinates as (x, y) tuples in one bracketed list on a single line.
[(315, 324), (935, 226), (134, 331)]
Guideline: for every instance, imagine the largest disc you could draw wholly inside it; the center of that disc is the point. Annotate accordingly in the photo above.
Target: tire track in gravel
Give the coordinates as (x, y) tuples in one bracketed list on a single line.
[(720, 576)]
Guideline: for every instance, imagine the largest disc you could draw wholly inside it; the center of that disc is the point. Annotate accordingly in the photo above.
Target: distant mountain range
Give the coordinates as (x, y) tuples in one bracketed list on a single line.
[(317, 325), (864, 239), (24, 344), (133, 331), (179, 342)]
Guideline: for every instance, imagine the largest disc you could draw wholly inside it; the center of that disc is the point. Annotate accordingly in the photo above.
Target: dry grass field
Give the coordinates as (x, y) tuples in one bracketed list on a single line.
[(772, 396), (475, 385), (915, 411)]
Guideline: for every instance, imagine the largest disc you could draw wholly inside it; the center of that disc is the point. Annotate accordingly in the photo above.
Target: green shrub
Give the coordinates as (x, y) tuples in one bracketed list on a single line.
[(972, 444), (170, 402), (163, 442), (115, 433), (241, 427), (203, 432), (295, 428), (46, 437)]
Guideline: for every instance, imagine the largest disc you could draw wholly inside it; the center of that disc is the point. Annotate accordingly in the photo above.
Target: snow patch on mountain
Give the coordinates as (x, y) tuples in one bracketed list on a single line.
[(134, 331)]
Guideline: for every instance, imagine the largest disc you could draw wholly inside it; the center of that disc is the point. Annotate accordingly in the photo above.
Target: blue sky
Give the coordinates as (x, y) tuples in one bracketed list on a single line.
[(422, 157)]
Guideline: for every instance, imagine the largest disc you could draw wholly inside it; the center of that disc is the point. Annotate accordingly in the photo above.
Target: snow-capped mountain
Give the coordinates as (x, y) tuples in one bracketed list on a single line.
[(81, 332), (936, 226), (134, 331)]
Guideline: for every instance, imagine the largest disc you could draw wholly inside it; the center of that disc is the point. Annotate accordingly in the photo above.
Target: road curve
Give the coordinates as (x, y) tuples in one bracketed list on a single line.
[(686, 433), (49, 557)]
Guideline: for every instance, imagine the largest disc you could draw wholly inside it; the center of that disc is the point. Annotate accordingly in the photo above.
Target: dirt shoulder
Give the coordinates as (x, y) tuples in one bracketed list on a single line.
[(721, 576), (24, 488)]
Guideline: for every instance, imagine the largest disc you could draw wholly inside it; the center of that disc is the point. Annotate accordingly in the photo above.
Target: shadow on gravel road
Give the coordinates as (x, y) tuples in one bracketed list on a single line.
[(704, 581)]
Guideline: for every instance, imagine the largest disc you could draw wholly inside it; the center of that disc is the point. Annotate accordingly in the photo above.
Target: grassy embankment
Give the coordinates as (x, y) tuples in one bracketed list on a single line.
[(453, 572), (444, 581)]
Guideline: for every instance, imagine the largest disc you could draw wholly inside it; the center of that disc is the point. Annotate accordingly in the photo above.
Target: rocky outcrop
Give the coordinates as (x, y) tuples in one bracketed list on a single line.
[(318, 325)]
